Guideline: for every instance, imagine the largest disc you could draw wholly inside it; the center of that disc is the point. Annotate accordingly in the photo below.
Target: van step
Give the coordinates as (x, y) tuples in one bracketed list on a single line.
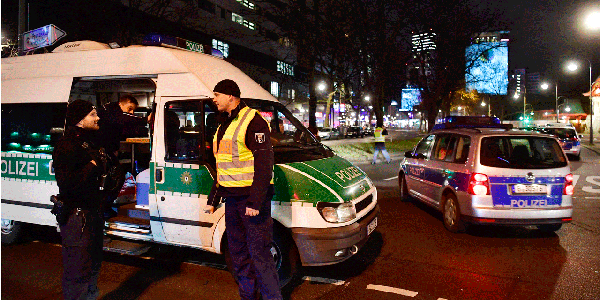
[(125, 247), (127, 225)]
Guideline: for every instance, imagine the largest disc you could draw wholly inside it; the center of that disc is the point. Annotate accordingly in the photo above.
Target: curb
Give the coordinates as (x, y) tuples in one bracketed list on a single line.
[(592, 148)]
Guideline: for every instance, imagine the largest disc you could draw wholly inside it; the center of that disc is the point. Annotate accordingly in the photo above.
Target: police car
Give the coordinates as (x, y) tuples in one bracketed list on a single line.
[(567, 137), (478, 171)]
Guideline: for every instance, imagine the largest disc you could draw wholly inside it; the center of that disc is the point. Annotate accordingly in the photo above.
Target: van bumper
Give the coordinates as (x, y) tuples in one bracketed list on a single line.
[(318, 246)]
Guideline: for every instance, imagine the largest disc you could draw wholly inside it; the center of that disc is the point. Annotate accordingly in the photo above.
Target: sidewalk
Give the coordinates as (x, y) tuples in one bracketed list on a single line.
[(585, 142)]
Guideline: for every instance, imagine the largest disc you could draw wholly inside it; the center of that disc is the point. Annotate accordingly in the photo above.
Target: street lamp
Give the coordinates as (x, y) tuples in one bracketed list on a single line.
[(573, 66), (545, 86), (489, 108), (592, 21), (322, 86)]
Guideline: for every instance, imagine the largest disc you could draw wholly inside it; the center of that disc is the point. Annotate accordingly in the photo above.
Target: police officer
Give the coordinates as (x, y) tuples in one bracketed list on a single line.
[(117, 122), (244, 157), (380, 143), (78, 166)]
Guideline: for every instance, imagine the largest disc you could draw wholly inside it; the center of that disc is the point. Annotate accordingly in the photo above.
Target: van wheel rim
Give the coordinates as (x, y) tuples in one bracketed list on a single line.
[(450, 212), (276, 253), (7, 226)]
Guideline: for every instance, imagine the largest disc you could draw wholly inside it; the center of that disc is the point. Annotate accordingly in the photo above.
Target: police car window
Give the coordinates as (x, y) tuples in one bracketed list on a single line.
[(463, 144), (184, 125), (443, 147), (424, 146), (291, 141), (521, 153)]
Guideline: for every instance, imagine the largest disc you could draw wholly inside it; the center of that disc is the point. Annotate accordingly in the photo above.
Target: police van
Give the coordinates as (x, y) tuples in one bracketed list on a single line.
[(478, 171), (324, 207)]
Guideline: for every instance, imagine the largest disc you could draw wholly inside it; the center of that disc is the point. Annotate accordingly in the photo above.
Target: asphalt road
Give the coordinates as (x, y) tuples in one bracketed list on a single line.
[(409, 256)]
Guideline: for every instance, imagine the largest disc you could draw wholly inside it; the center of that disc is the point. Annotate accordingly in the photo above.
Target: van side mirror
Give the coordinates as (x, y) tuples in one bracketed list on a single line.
[(580, 136)]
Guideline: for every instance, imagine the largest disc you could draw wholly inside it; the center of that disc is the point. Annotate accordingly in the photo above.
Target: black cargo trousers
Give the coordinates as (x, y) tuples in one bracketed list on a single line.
[(82, 238)]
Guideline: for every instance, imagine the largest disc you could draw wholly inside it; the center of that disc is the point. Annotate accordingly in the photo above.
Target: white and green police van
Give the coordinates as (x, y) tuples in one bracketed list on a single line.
[(324, 207)]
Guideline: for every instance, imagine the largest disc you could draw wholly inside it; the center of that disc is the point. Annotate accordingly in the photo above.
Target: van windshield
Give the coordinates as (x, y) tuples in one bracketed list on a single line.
[(292, 142), (521, 152)]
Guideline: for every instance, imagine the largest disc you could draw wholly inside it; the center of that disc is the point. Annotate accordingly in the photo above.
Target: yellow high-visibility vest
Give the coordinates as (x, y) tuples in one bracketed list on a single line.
[(235, 162), (379, 137)]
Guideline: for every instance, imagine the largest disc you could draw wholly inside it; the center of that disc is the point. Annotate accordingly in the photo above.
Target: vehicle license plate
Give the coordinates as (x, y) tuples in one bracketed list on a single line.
[(371, 226), (529, 189)]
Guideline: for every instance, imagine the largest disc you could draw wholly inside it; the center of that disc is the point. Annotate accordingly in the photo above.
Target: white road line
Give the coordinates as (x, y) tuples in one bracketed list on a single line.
[(388, 289), (442, 299), (391, 178), (324, 280), (575, 178), (591, 197)]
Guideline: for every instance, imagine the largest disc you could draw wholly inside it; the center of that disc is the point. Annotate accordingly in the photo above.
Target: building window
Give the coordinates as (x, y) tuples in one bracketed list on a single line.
[(246, 3), (285, 68), (291, 94), (240, 20), (285, 41), (223, 47), (207, 6), (275, 88)]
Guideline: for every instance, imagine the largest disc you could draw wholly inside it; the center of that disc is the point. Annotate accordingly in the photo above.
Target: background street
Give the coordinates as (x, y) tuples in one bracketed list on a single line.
[(409, 256)]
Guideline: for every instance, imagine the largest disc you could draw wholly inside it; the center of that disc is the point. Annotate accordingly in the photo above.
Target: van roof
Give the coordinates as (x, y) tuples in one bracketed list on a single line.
[(32, 76)]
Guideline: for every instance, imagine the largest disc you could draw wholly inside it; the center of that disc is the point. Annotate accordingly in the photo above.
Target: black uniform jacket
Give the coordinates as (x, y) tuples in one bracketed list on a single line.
[(116, 126), (76, 176), (259, 142)]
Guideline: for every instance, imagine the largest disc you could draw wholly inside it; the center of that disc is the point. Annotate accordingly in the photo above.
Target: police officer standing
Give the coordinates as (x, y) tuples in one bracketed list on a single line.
[(78, 166), (244, 157), (380, 134)]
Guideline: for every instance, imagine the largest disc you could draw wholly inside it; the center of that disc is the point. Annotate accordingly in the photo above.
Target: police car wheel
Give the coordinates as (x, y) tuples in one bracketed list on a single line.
[(451, 215), (404, 196), (549, 227), (285, 254), (11, 231)]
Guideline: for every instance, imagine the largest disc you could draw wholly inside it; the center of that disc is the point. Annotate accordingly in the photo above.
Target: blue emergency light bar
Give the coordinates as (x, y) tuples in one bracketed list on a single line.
[(471, 122), (162, 40)]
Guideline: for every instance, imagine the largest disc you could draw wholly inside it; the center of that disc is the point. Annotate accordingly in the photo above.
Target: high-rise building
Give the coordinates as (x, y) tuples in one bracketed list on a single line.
[(423, 42)]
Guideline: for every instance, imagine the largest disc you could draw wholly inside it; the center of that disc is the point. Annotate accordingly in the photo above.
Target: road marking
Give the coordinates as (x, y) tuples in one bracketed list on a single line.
[(575, 178), (593, 180), (391, 178), (388, 289), (324, 280), (592, 197)]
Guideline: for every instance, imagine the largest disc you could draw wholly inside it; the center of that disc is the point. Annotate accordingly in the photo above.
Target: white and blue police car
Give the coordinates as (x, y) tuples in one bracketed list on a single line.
[(567, 137), (476, 170)]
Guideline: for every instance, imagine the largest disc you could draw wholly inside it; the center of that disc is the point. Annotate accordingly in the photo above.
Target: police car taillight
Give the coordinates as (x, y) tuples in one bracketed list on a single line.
[(569, 187), (479, 184)]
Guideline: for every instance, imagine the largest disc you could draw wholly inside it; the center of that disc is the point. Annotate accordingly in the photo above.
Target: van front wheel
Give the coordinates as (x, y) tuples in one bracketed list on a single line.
[(11, 231), (284, 252)]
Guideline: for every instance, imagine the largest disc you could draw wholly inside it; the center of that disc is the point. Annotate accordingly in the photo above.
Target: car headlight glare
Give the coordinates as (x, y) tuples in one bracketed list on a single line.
[(336, 212)]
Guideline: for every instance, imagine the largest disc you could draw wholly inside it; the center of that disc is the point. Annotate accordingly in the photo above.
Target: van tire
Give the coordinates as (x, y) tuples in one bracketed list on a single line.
[(404, 195), (451, 214), (11, 231), (285, 254), (549, 227)]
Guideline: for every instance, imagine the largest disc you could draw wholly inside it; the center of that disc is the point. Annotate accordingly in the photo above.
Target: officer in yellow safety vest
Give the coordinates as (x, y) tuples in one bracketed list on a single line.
[(244, 156), (380, 144)]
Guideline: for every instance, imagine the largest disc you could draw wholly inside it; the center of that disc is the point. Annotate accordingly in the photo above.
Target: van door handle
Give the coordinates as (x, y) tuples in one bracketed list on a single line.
[(158, 175)]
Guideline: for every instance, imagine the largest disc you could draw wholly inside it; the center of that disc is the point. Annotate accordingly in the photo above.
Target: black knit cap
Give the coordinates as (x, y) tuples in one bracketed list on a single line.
[(77, 110), (227, 87)]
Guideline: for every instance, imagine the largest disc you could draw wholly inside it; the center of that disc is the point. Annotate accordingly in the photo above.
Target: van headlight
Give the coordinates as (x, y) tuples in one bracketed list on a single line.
[(336, 212)]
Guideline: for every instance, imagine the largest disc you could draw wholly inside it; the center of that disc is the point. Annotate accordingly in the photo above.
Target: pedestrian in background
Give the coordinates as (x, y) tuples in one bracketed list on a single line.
[(244, 156), (78, 165), (380, 134)]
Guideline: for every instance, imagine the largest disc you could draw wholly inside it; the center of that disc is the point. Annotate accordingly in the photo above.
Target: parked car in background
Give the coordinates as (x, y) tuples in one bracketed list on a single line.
[(566, 134), (354, 131), (368, 130), (328, 133)]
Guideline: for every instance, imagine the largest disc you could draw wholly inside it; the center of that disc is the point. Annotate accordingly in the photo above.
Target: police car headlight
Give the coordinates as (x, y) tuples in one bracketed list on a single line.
[(336, 212)]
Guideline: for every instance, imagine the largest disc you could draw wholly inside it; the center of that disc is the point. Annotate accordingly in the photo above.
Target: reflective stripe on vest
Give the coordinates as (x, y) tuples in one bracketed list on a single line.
[(379, 137), (235, 162)]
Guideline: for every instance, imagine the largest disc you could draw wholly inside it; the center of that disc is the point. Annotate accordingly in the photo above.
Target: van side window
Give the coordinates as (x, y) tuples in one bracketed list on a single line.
[(184, 125), (32, 127)]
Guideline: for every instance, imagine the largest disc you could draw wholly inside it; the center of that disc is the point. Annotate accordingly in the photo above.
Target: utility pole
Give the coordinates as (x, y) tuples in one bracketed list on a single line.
[(21, 27)]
